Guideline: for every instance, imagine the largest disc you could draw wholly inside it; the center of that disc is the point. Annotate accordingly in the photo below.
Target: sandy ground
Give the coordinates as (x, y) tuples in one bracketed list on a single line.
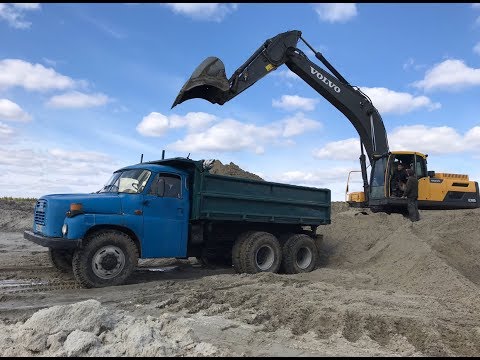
[(384, 287)]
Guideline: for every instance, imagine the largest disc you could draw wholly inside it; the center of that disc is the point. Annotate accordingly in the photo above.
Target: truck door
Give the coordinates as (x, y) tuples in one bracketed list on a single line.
[(165, 217)]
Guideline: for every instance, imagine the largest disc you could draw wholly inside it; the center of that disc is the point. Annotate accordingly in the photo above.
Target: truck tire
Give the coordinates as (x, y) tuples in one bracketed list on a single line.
[(300, 254), (261, 252), (61, 259), (237, 251), (108, 259)]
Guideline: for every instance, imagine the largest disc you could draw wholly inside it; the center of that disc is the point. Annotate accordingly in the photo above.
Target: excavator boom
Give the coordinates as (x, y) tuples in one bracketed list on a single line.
[(210, 82)]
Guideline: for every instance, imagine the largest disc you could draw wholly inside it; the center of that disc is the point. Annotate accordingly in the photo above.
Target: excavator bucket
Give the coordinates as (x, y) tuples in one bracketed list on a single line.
[(208, 82)]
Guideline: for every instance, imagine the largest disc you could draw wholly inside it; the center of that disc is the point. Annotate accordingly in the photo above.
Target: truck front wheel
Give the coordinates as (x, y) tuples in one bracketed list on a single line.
[(261, 252), (61, 259), (300, 254), (108, 259)]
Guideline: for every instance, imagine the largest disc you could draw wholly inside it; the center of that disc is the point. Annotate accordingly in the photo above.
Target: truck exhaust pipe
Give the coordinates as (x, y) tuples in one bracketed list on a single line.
[(208, 82)]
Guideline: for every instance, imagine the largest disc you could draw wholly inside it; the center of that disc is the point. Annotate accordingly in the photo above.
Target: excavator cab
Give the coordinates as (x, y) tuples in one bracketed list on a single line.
[(208, 82)]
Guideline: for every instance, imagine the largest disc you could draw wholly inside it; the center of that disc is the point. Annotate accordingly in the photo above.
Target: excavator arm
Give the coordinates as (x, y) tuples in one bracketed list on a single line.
[(209, 82)]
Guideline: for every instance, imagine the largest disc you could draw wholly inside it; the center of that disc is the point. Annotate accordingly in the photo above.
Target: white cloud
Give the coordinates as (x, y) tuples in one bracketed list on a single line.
[(198, 11), (389, 101), (76, 99), (5, 131), (295, 102), (35, 77), (410, 63), (192, 120), (39, 170), (11, 111), (476, 48), (422, 138), (286, 74), (157, 124), (317, 178), (348, 149), (433, 139), (229, 135), (333, 178), (78, 155), (14, 14), (232, 135), (154, 124), (451, 74), (298, 124), (336, 12)]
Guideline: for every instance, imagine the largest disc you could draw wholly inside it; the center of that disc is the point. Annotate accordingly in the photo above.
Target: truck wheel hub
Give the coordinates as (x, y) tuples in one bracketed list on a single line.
[(304, 257), (108, 262), (265, 257)]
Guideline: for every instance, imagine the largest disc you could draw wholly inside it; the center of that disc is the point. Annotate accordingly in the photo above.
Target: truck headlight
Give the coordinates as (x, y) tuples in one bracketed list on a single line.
[(64, 229)]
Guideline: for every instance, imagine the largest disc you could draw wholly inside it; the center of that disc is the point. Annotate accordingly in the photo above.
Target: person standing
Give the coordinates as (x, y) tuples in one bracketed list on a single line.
[(399, 180), (411, 193)]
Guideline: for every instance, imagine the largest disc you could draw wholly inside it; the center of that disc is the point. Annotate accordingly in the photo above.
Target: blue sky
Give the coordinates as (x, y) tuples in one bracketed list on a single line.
[(86, 88)]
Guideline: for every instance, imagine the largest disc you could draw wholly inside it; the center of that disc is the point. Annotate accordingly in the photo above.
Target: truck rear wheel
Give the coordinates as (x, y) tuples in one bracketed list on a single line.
[(61, 259), (237, 251), (300, 254), (108, 259), (261, 252)]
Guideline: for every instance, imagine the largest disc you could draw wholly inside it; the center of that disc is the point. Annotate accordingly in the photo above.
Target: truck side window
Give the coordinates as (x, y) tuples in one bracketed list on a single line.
[(173, 187)]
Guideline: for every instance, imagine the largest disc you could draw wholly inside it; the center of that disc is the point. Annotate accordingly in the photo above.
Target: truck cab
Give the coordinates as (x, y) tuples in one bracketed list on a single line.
[(149, 203)]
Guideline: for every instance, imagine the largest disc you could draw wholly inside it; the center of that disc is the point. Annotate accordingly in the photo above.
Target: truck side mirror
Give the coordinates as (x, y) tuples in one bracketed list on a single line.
[(431, 174)]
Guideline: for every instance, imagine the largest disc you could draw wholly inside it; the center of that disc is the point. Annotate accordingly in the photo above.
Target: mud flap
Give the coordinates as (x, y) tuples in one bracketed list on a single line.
[(208, 82)]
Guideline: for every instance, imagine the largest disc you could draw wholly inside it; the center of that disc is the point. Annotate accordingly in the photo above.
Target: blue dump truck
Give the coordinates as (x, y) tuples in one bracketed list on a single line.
[(175, 208)]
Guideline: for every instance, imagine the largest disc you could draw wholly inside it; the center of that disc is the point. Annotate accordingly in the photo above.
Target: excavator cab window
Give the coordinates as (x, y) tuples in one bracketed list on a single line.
[(420, 167), (377, 188), (397, 187)]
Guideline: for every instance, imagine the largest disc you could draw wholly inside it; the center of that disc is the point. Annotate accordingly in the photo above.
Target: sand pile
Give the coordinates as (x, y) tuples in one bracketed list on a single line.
[(16, 215), (232, 170), (89, 329), (435, 256)]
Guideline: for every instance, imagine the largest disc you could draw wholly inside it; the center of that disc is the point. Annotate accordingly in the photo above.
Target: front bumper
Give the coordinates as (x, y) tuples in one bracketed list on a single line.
[(52, 242)]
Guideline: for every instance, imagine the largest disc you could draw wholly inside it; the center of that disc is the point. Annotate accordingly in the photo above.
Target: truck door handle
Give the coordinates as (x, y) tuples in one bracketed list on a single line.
[(145, 202), (180, 211)]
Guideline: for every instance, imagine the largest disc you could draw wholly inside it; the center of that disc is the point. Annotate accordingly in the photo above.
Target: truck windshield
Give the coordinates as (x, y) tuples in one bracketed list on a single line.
[(129, 181)]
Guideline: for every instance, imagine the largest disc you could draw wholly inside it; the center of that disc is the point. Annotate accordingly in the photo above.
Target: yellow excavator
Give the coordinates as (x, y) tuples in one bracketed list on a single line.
[(435, 191)]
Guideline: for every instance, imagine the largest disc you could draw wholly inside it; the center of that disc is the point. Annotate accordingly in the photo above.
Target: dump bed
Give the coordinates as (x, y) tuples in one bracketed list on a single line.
[(218, 197)]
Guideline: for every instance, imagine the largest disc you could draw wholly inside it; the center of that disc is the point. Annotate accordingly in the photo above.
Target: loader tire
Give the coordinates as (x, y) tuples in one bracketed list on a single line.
[(108, 259), (261, 253), (61, 259), (300, 254), (237, 251)]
